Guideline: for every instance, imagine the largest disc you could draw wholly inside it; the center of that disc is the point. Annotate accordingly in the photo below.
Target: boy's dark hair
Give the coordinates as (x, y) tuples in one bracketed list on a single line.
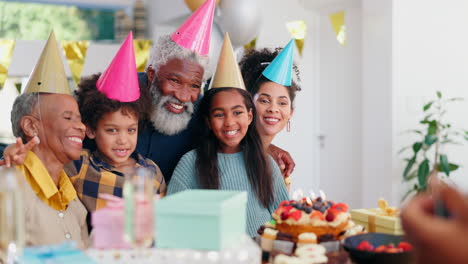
[(94, 105), (254, 63), (256, 163)]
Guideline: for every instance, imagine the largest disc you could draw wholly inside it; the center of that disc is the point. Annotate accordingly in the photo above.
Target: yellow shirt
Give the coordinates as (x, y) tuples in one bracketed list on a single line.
[(42, 184)]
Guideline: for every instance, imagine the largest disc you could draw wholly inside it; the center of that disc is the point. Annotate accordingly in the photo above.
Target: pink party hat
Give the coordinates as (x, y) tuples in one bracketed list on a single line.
[(195, 33), (120, 81)]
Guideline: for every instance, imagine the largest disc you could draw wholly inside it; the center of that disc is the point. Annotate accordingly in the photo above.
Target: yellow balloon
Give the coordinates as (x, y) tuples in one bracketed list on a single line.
[(195, 4)]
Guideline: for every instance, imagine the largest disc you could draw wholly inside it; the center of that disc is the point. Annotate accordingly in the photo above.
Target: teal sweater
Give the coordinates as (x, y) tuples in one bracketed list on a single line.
[(233, 176)]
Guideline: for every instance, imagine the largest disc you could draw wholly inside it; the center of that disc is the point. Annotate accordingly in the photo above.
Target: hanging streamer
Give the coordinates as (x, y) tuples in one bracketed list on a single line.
[(338, 22), (75, 52), (298, 29), (142, 49), (251, 44), (6, 51)]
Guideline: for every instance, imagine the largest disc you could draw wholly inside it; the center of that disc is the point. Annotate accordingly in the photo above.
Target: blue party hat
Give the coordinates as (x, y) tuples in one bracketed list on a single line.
[(279, 70)]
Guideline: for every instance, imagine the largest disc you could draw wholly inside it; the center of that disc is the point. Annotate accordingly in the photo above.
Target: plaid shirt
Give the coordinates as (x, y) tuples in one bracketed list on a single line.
[(91, 175)]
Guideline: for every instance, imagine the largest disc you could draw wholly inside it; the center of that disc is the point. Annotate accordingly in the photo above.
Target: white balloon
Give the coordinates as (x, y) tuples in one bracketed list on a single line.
[(241, 19)]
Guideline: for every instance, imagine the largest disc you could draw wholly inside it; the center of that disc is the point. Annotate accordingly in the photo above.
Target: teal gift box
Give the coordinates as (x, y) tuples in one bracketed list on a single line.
[(63, 253), (201, 219)]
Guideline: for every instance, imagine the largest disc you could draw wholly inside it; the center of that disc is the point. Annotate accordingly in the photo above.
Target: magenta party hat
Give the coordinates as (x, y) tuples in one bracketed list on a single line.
[(195, 33), (120, 81)]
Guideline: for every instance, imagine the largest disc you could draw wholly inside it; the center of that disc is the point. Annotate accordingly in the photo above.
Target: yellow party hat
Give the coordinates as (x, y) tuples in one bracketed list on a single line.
[(227, 72), (48, 75)]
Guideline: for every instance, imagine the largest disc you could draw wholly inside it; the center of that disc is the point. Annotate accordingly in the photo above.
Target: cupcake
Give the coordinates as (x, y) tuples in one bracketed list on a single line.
[(306, 239), (283, 243), (312, 253), (258, 237), (269, 235)]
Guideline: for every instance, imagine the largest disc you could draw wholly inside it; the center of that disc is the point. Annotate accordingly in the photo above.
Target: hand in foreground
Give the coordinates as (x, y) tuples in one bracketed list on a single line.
[(15, 154), (436, 239), (283, 159)]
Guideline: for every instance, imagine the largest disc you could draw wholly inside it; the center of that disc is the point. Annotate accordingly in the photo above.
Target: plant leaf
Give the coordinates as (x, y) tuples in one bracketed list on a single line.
[(449, 141), (416, 147), (403, 149), (412, 131), (439, 94), (412, 175), (432, 129), (427, 117), (453, 166), (410, 191), (430, 139), (423, 172), (456, 99), (409, 166), (444, 164), (424, 122), (427, 106)]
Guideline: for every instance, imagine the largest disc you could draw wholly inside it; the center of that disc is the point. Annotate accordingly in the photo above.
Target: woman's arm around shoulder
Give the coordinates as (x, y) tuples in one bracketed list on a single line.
[(280, 193)]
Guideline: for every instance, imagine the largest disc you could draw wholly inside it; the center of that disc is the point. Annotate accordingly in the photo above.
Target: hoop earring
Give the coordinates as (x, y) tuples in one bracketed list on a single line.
[(288, 126)]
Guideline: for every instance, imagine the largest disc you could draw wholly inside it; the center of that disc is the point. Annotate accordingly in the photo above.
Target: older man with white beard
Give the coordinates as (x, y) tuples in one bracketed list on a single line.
[(175, 78)]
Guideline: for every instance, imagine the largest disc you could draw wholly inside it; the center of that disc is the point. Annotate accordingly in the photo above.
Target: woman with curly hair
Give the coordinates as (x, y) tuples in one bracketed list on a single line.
[(273, 96)]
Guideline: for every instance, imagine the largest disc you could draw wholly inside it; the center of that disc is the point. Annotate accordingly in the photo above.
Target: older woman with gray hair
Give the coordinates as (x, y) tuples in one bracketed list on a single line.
[(47, 115), (52, 122)]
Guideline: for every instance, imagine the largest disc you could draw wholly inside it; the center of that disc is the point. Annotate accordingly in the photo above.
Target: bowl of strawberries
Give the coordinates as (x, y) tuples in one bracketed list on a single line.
[(379, 248)]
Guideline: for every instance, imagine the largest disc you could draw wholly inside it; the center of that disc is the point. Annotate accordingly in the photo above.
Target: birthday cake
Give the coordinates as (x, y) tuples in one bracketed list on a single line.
[(318, 216)]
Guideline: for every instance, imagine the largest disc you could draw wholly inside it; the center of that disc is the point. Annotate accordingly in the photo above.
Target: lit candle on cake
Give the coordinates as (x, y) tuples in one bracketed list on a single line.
[(322, 194), (312, 195)]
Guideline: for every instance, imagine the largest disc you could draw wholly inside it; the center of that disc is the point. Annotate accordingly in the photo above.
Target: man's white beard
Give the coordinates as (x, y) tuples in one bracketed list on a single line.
[(165, 121)]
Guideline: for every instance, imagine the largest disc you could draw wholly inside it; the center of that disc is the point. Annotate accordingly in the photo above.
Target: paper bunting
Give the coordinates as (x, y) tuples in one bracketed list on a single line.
[(142, 48), (251, 44), (298, 30), (338, 23), (6, 51), (75, 52)]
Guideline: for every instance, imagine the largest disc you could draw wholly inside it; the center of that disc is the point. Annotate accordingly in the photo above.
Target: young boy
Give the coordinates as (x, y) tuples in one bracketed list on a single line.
[(113, 127)]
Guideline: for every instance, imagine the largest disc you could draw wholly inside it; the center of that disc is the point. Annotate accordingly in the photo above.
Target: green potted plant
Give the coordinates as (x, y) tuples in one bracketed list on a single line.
[(427, 155)]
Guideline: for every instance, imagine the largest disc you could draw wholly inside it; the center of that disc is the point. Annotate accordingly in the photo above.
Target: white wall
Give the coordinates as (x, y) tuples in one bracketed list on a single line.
[(429, 54), (340, 108), (377, 125)]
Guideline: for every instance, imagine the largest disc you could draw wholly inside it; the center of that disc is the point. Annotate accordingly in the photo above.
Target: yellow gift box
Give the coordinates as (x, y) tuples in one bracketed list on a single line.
[(373, 221)]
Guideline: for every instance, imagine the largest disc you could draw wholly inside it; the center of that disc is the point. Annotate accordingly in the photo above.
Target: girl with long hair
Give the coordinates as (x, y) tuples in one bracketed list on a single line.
[(230, 156)]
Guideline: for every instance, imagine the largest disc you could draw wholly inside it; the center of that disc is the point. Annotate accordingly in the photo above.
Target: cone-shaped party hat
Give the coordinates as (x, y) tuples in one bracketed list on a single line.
[(48, 75), (120, 80), (195, 33), (227, 72), (279, 70)]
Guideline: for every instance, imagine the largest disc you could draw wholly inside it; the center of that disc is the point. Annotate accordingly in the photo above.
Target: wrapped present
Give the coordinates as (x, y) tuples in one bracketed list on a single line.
[(108, 224), (63, 253), (201, 219), (375, 221)]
